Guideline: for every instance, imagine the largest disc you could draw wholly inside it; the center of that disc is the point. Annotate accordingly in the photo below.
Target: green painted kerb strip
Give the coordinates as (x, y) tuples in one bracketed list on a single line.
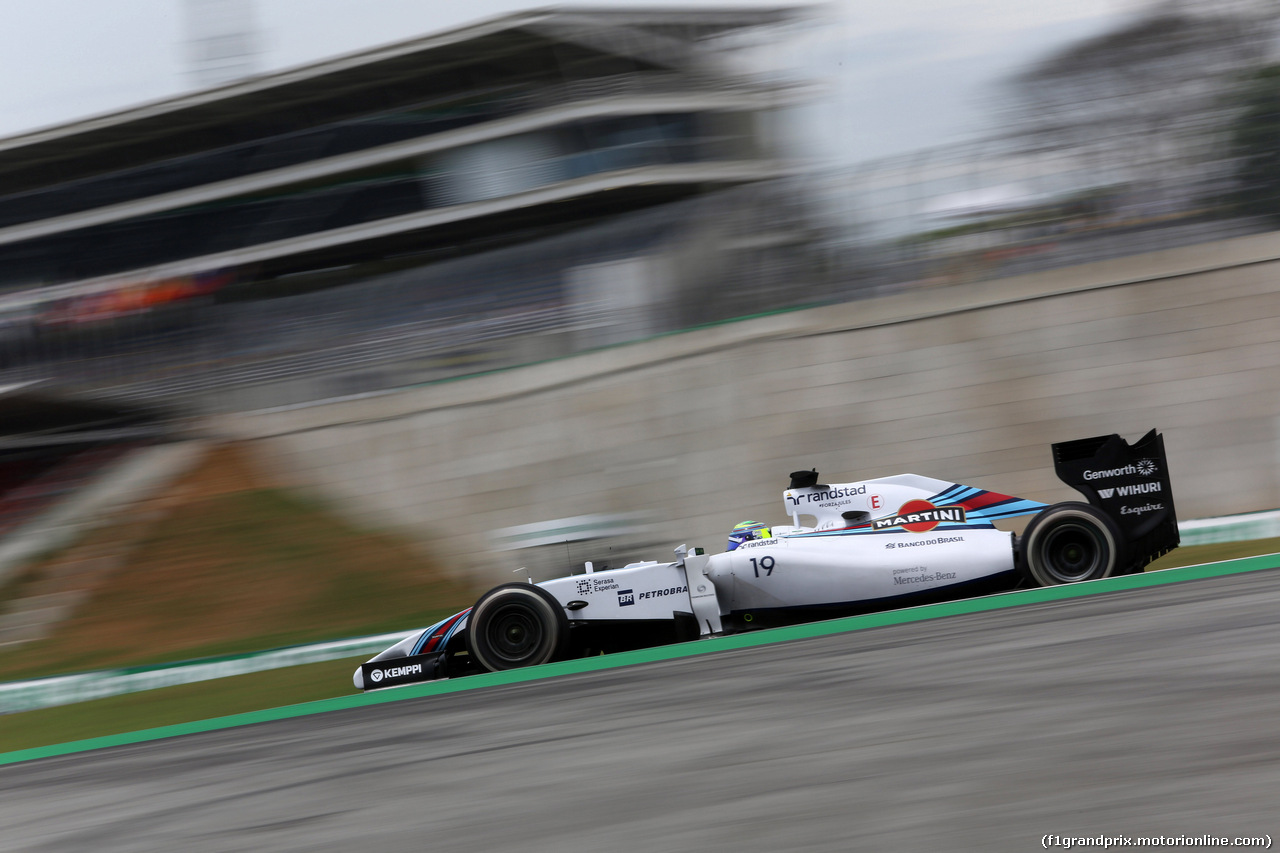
[(698, 647)]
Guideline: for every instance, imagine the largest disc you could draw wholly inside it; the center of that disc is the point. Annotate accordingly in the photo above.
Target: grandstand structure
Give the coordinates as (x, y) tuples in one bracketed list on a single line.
[(519, 188)]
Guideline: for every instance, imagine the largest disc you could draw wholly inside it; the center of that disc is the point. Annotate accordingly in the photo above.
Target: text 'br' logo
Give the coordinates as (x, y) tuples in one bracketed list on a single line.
[(920, 516), (626, 597), (376, 675)]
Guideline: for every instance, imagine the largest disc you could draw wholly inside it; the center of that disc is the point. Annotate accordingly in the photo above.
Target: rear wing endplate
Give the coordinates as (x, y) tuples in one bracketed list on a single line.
[(1129, 482)]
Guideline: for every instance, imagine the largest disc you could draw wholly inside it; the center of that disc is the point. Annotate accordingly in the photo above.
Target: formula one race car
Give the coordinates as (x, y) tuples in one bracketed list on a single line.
[(871, 545)]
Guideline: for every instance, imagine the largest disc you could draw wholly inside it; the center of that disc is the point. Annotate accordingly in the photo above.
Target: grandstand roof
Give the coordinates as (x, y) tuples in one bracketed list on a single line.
[(497, 51)]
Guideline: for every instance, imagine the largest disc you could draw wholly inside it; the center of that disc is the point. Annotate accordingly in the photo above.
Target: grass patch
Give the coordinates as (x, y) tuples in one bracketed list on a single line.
[(1194, 555), (230, 569), (181, 704)]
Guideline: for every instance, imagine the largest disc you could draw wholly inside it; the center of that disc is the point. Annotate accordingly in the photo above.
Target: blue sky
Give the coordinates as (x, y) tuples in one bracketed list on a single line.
[(900, 75)]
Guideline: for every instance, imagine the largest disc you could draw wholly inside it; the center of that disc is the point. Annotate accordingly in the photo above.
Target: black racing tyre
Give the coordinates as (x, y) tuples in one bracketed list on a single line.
[(515, 625), (1071, 542)]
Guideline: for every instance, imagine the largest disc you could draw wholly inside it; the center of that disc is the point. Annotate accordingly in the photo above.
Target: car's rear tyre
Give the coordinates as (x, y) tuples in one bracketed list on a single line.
[(1069, 543), (515, 625)]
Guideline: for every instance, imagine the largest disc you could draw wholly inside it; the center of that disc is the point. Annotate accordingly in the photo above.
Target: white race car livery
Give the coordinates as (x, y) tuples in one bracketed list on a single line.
[(851, 547)]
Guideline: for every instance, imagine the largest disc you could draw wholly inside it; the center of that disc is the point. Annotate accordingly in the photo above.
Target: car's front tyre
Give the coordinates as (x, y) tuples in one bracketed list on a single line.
[(1070, 542), (517, 625)]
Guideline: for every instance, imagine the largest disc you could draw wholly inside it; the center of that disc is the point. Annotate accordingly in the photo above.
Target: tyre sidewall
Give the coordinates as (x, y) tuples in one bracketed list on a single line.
[(1055, 520), (537, 603)]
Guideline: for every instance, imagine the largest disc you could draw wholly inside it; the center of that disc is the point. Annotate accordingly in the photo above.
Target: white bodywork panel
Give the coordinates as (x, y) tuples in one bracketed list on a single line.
[(803, 571), (877, 498), (638, 591), (789, 571), (643, 591), (826, 564)]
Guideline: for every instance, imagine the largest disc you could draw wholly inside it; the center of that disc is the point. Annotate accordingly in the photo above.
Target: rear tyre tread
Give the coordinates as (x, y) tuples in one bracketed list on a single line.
[(1071, 542)]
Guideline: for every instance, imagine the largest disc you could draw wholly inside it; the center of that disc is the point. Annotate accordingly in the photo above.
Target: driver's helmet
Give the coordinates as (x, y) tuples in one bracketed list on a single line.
[(745, 531)]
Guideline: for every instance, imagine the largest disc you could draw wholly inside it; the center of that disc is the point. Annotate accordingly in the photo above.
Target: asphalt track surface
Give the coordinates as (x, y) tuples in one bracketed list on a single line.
[(1150, 711)]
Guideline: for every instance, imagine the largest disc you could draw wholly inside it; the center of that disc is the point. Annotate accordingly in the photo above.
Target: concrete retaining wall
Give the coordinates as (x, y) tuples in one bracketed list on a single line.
[(968, 383)]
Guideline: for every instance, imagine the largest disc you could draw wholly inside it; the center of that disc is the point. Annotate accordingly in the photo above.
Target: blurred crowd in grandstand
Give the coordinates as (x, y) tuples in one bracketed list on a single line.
[(1161, 133)]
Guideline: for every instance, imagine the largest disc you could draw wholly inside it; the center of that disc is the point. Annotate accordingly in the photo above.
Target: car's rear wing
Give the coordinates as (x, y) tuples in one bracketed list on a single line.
[(1129, 482)]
